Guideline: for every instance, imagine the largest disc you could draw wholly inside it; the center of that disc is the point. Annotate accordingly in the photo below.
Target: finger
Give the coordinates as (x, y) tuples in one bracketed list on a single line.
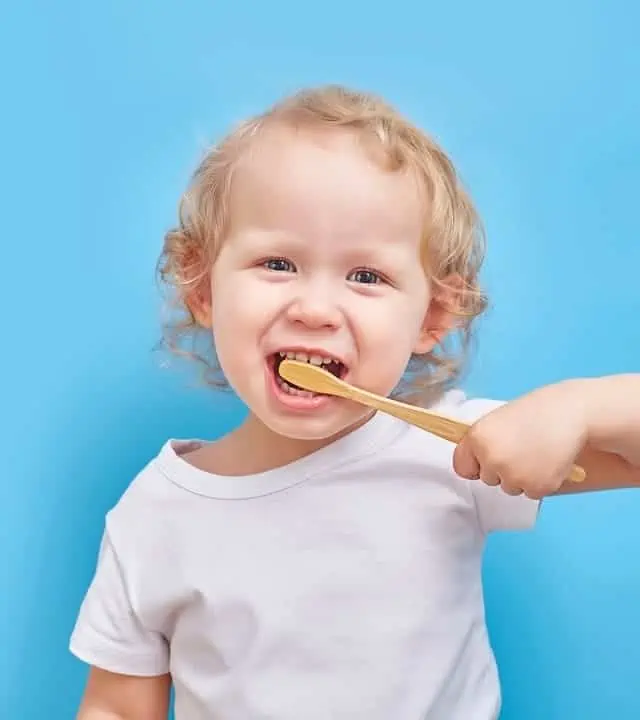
[(512, 490), (465, 462), (536, 493), (489, 478)]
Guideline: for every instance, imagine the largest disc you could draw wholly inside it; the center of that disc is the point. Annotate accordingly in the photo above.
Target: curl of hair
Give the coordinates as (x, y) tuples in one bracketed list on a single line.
[(453, 243)]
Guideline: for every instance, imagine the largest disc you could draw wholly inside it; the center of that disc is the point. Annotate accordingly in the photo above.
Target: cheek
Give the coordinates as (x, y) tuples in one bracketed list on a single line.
[(393, 323), (242, 312), (387, 337), (230, 322), (236, 301)]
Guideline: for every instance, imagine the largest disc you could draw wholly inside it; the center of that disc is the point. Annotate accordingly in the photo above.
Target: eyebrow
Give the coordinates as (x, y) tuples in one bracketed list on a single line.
[(378, 253), (255, 237), (281, 242)]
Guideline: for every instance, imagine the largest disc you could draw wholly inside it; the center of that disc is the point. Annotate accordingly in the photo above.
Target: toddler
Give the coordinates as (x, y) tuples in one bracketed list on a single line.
[(320, 561)]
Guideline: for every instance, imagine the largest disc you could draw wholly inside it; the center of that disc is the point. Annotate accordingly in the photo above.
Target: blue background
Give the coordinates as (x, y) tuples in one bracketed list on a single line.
[(106, 107)]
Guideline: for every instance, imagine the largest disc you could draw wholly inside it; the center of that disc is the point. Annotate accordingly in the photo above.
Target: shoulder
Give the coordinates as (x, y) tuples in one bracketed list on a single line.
[(427, 453), (434, 458), (147, 507), (457, 404), (496, 509)]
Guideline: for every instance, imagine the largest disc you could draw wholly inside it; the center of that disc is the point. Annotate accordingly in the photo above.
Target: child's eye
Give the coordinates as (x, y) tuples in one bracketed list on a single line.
[(278, 265), (365, 277)]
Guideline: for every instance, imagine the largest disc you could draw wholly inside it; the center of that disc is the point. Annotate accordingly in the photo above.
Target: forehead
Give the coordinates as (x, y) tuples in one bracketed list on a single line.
[(324, 182)]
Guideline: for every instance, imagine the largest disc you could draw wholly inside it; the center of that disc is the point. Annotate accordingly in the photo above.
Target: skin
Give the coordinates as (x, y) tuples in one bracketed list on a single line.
[(323, 253), (529, 444), (349, 233), (109, 696)]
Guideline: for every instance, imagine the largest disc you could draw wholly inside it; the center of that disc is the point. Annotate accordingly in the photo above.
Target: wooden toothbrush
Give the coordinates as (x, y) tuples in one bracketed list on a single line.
[(313, 378)]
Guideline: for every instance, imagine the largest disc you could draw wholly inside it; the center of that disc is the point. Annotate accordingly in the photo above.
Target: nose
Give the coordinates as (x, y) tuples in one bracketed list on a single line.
[(315, 309)]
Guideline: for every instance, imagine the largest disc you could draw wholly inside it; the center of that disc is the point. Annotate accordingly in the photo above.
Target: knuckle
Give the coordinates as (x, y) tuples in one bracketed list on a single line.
[(534, 493)]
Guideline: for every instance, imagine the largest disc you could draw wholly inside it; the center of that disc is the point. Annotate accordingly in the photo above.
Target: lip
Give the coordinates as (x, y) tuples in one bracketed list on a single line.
[(295, 403), (322, 352)]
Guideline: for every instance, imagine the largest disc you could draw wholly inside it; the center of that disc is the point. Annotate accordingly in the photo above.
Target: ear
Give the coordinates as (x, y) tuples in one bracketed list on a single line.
[(441, 316), (197, 293), (198, 300)]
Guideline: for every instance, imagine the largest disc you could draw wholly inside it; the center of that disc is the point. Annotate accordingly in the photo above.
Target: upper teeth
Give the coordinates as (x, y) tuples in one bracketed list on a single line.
[(305, 357)]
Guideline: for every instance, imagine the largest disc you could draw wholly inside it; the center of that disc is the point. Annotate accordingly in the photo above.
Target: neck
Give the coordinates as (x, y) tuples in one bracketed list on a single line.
[(253, 448), (270, 450)]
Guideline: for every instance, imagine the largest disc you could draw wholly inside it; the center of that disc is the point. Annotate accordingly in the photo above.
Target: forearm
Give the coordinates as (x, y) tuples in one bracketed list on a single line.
[(614, 416), (98, 714), (611, 456), (110, 696), (91, 711)]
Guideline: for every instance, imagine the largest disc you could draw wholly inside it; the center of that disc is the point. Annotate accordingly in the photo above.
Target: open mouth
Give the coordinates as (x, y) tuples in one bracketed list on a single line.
[(326, 362)]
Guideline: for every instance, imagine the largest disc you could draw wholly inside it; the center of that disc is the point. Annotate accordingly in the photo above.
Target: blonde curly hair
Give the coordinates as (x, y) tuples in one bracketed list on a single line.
[(453, 238)]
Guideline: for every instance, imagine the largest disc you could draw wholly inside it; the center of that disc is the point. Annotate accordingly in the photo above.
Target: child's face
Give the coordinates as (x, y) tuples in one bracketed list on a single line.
[(322, 259)]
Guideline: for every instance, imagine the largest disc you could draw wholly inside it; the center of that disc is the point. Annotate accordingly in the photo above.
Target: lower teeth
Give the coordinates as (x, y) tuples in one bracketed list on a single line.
[(294, 391)]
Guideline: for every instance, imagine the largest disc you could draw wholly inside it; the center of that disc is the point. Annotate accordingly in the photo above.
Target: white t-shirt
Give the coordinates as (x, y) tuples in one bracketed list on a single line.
[(344, 586)]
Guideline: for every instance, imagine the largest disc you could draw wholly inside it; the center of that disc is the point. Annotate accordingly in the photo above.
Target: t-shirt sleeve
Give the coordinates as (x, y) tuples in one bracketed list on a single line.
[(108, 634), (496, 509)]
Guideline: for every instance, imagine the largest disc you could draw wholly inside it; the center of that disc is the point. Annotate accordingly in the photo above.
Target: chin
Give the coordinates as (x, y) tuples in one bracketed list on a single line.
[(313, 429), (299, 416)]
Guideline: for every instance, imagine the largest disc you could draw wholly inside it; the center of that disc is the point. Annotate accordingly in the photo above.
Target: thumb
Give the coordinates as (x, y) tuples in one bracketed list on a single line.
[(465, 462)]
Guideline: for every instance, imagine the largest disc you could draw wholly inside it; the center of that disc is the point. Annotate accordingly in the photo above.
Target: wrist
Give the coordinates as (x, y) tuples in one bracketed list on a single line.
[(581, 395), (612, 412)]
